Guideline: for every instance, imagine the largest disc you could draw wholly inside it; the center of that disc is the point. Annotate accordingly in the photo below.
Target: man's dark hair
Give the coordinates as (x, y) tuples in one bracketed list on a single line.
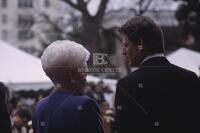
[(142, 27), (24, 112)]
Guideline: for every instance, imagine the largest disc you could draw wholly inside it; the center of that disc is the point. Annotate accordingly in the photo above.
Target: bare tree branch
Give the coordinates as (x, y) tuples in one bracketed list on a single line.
[(143, 7), (54, 25), (73, 5), (88, 1), (80, 6), (83, 6), (102, 8)]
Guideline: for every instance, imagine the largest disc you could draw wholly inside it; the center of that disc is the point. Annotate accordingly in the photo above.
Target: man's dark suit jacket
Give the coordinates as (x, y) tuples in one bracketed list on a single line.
[(61, 112), (5, 123), (159, 97)]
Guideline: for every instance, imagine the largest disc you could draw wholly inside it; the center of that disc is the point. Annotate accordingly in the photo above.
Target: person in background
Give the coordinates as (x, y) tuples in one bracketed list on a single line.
[(107, 117), (65, 110), (5, 123), (158, 97), (97, 93), (21, 118)]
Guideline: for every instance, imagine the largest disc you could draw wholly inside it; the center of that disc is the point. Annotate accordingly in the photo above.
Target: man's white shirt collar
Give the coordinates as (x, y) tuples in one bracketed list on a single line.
[(152, 56), (147, 58)]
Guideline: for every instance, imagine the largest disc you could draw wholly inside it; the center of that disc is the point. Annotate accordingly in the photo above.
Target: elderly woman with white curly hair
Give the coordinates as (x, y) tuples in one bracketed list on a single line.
[(65, 110)]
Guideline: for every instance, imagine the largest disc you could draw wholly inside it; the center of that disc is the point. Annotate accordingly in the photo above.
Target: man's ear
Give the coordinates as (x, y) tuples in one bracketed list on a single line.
[(140, 44)]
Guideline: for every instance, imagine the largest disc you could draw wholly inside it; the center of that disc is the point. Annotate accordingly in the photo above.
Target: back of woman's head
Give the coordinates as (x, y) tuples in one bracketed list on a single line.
[(61, 60)]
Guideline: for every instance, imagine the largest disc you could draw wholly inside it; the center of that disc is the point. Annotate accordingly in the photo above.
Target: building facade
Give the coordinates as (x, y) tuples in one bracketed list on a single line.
[(17, 18)]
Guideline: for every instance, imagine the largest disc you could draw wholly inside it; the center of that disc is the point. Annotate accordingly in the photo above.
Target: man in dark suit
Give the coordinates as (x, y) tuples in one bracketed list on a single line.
[(65, 110), (158, 97), (5, 124)]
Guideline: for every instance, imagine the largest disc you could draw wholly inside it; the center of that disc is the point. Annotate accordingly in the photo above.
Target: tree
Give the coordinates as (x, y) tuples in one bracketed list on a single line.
[(91, 25), (188, 15)]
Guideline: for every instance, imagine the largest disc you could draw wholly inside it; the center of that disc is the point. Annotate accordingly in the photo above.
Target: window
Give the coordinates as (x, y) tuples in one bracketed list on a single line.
[(25, 34), (46, 3), (25, 3), (4, 3), (4, 19), (25, 21), (4, 35)]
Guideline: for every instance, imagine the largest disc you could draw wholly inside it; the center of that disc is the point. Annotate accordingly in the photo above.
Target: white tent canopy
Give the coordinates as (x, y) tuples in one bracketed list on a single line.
[(19, 70), (186, 58)]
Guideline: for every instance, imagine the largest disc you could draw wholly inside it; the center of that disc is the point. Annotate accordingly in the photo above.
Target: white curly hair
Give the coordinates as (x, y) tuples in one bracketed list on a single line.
[(64, 54)]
